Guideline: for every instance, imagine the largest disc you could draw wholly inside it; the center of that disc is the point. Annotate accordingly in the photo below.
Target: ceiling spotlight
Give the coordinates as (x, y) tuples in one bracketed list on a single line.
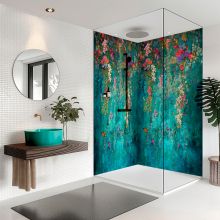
[(137, 34), (50, 10)]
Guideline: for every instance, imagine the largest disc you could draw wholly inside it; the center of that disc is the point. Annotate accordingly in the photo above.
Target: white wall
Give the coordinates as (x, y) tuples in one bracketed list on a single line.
[(20, 77), (71, 46), (211, 65)]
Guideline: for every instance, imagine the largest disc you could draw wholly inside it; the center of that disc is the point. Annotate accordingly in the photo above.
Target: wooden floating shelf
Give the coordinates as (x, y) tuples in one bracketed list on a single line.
[(25, 152)]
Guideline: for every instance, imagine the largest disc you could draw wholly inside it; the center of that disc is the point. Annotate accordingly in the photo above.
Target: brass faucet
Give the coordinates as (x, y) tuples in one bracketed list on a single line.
[(38, 115)]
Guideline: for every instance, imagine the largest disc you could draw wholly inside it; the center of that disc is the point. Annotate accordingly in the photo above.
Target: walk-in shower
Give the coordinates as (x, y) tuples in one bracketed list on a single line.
[(148, 132)]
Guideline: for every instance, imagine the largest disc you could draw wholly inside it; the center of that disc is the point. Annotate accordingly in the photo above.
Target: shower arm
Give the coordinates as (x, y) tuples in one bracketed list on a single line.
[(127, 60)]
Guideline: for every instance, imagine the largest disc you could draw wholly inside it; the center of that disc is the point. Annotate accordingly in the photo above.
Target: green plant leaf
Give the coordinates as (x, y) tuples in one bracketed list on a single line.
[(208, 98), (63, 109)]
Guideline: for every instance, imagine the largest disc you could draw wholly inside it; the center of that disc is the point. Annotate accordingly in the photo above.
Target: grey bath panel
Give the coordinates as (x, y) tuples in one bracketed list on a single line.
[(99, 201)]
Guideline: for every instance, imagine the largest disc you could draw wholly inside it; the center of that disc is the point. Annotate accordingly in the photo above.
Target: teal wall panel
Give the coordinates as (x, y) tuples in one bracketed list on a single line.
[(115, 133), (164, 128), (182, 118)]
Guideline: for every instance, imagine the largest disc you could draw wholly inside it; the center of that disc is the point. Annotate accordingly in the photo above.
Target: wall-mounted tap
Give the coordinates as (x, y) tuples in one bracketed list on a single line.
[(107, 94), (38, 115)]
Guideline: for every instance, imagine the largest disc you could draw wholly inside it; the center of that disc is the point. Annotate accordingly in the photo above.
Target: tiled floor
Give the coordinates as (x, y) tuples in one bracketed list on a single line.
[(196, 201)]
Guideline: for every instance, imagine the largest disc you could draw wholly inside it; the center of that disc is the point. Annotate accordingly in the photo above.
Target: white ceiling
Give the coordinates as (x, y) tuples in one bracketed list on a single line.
[(98, 13), (152, 23)]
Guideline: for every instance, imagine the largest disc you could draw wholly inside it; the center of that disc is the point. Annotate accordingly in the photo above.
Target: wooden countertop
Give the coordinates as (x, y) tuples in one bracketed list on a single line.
[(25, 152)]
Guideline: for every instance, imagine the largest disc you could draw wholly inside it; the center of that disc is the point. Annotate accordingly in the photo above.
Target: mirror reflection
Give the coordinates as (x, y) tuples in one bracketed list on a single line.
[(36, 74)]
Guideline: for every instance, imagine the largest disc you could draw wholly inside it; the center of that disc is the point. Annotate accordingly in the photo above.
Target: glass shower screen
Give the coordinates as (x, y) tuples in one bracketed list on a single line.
[(182, 118), (143, 102)]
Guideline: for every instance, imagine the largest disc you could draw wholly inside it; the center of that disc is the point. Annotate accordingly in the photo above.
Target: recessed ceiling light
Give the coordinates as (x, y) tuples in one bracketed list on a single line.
[(50, 10)]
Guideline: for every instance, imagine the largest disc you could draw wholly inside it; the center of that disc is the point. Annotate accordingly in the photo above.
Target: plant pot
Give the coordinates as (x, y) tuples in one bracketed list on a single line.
[(214, 171)]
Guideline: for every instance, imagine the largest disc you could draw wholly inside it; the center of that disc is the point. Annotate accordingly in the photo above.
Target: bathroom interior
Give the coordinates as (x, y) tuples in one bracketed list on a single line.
[(132, 88)]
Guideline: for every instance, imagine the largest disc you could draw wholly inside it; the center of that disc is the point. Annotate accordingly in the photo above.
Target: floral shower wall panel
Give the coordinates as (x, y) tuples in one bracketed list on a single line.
[(150, 112), (138, 137), (182, 118), (115, 133), (173, 103)]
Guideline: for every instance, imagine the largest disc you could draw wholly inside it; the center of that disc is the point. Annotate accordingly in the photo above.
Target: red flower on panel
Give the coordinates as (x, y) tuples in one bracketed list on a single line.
[(179, 52), (103, 134), (147, 62), (97, 53), (156, 53), (182, 67), (141, 57), (190, 56), (104, 60)]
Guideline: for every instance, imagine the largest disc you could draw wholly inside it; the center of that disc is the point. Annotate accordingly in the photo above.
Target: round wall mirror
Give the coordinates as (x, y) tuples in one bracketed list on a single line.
[(36, 74)]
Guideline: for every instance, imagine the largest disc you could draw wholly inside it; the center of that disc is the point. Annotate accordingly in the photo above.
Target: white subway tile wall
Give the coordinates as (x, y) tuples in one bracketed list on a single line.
[(72, 48)]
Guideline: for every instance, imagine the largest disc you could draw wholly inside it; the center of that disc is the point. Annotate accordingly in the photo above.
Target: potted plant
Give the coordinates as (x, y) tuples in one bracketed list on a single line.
[(64, 111), (208, 98)]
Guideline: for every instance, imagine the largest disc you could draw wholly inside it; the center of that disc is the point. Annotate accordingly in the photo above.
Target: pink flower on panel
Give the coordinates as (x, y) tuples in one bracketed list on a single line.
[(183, 99), (147, 49), (112, 53), (149, 91), (115, 82), (167, 43), (105, 46), (161, 81)]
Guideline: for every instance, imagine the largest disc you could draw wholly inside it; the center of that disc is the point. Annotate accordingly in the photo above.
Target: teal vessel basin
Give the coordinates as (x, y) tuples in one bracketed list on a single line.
[(44, 137)]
